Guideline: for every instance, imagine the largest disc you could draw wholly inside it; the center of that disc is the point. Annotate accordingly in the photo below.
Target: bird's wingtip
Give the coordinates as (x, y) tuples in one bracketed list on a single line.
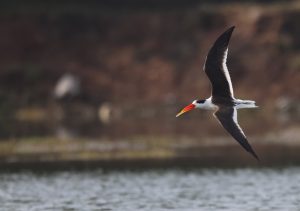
[(254, 155), (257, 158), (230, 29)]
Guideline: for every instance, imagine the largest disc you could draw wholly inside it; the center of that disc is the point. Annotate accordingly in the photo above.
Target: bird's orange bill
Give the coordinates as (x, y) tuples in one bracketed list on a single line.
[(186, 109)]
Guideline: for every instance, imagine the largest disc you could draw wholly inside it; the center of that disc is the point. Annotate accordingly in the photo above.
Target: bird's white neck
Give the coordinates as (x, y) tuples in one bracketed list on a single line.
[(207, 105)]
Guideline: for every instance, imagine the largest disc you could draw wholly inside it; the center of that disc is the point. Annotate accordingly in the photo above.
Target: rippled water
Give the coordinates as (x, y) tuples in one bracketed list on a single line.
[(238, 189)]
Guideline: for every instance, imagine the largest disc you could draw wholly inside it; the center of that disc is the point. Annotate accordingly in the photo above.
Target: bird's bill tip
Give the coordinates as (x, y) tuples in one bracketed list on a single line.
[(186, 109)]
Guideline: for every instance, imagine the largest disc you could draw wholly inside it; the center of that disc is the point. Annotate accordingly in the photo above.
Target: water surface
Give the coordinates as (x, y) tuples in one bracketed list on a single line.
[(170, 189)]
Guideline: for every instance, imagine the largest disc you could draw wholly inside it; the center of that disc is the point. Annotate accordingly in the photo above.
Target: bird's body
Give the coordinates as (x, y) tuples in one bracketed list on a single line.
[(222, 100), (209, 104)]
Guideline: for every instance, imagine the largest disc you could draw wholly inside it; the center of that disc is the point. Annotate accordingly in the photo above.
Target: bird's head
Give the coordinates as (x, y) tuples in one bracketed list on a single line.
[(193, 105)]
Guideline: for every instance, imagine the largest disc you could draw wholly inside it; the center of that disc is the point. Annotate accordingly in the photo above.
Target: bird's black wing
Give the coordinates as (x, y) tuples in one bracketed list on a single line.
[(228, 118), (216, 69)]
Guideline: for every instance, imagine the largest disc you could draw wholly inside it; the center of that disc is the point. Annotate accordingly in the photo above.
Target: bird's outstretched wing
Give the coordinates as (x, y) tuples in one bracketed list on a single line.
[(228, 118), (216, 69)]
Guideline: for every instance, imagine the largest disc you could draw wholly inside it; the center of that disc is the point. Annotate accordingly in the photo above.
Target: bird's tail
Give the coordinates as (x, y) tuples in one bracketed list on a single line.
[(245, 104)]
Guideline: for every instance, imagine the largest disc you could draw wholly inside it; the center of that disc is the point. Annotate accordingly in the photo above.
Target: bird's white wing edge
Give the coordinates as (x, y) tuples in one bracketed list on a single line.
[(226, 72), (236, 121)]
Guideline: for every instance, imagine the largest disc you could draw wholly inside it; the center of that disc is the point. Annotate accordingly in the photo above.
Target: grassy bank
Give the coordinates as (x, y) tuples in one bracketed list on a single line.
[(151, 152)]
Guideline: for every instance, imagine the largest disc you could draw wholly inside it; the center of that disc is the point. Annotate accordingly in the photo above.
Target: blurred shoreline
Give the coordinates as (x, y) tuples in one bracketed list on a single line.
[(145, 152)]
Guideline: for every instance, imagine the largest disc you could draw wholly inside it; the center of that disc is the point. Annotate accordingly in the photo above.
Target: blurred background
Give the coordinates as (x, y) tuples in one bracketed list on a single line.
[(103, 81), (89, 91)]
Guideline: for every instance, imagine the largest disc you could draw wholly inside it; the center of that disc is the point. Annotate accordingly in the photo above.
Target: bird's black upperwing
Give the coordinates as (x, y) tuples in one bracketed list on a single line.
[(228, 118), (216, 69)]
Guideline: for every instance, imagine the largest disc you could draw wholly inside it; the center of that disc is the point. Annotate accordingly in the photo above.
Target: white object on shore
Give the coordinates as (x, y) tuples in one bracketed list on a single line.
[(67, 85)]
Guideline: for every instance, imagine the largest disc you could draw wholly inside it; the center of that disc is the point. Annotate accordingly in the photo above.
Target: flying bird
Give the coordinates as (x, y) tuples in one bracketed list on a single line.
[(222, 100)]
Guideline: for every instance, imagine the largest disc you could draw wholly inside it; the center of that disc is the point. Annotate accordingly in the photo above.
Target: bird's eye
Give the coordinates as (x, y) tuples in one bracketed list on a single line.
[(200, 101)]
